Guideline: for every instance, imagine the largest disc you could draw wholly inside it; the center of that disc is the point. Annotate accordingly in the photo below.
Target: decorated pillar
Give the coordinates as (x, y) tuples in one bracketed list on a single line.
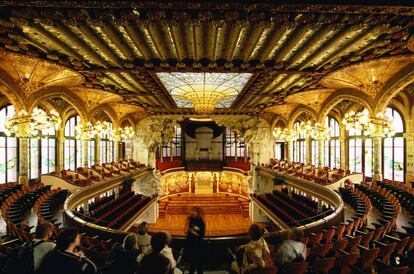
[(60, 149), (344, 153), (98, 150), (116, 151), (377, 151), (85, 152), (308, 150), (321, 155), (289, 151), (409, 172), (24, 133)]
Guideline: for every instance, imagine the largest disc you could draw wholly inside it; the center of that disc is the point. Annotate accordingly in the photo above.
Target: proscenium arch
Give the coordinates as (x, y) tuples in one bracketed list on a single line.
[(339, 96), (297, 112), (63, 93)]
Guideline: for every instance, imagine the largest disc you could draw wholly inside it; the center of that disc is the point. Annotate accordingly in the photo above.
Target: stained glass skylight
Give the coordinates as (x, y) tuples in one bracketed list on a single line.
[(204, 91)]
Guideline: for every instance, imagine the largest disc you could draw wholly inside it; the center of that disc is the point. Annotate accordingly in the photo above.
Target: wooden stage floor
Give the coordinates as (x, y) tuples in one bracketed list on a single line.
[(225, 222)]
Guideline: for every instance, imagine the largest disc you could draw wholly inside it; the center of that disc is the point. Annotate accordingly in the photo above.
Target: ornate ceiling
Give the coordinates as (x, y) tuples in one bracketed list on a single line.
[(119, 46)]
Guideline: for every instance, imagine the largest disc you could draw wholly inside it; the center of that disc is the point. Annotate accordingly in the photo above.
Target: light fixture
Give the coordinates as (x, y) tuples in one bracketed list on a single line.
[(85, 132), (32, 123), (320, 132), (122, 133), (381, 125), (281, 133), (204, 91)]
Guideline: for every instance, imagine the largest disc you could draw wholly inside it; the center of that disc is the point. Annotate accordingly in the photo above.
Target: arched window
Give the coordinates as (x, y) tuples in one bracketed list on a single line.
[(332, 148), (174, 148), (73, 147), (393, 162), (299, 145), (42, 153), (106, 147), (9, 149), (279, 150), (230, 143)]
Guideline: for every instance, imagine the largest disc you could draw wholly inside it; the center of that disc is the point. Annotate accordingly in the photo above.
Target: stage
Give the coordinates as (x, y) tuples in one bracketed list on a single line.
[(224, 214)]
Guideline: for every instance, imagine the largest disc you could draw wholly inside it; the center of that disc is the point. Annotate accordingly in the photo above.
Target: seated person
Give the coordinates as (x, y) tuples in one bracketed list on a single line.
[(123, 259), (256, 252), (41, 243), (67, 258), (292, 250), (155, 262)]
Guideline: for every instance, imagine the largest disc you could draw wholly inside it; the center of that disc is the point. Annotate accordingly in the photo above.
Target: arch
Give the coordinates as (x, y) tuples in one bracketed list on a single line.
[(128, 118), (277, 119), (12, 91), (297, 112), (400, 81), (63, 93), (107, 110), (337, 97)]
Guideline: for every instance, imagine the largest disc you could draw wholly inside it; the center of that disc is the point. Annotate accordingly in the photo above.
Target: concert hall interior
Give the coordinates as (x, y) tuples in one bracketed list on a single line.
[(124, 117)]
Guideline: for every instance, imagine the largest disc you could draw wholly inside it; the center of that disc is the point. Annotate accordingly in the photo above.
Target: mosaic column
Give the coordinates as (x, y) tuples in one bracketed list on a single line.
[(23, 133), (320, 153), (116, 151), (308, 150), (98, 150), (409, 148), (85, 152), (289, 151), (377, 152), (60, 147), (344, 153)]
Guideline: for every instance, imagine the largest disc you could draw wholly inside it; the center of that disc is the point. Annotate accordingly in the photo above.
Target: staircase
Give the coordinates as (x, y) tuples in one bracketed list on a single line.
[(209, 204)]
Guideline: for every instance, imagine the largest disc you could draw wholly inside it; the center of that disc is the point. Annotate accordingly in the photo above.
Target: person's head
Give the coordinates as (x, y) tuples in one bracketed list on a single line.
[(158, 242), (130, 242), (68, 239), (142, 228), (255, 232), (169, 238), (296, 235), (44, 231), (196, 212)]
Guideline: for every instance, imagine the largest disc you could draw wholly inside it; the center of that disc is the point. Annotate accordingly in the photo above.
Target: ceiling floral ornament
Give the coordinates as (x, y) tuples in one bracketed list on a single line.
[(95, 97), (312, 98), (368, 76), (32, 74)]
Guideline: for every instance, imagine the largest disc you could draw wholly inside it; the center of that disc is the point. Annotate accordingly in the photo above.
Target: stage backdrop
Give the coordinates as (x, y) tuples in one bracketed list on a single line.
[(203, 141)]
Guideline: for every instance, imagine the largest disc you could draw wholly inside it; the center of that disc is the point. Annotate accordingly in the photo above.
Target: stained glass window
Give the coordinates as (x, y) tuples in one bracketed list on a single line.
[(185, 85), (299, 146), (8, 149), (393, 154), (106, 147), (73, 147), (42, 153), (332, 147), (175, 146)]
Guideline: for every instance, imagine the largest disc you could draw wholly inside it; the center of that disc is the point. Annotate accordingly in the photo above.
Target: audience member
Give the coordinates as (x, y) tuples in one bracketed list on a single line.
[(155, 262), (123, 259), (41, 243), (143, 238), (67, 258), (256, 252), (194, 246), (292, 249), (167, 252)]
